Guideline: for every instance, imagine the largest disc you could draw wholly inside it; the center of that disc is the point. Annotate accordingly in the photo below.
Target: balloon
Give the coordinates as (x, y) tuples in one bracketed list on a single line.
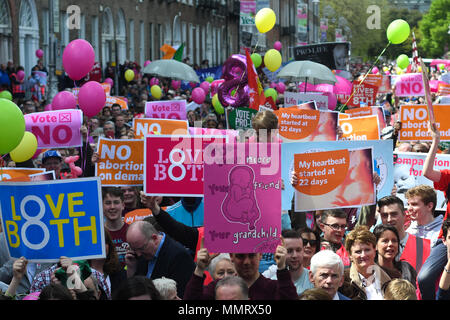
[(277, 45), (217, 105), (39, 53), (398, 31), (78, 59), (129, 75), (375, 70), (265, 20), (64, 100), (332, 100), (281, 87), (26, 148), (110, 81), (5, 94), (273, 85), (154, 81), (156, 92), (272, 59), (441, 66), (257, 60), (198, 95), (403, 61), (228, 96), (91, 98), (48, 107), (215, 86), (146, 63), (388, 73), (176, 84), (209, 79), (20, 75), (12, 126), (205, 86), (271, 92)]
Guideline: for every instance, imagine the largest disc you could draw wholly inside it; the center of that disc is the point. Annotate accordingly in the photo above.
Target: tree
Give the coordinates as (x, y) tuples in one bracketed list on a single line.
[(434, 29)]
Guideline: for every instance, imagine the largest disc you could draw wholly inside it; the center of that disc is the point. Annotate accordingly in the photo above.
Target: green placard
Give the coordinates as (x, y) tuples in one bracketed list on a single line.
[(241, 118)]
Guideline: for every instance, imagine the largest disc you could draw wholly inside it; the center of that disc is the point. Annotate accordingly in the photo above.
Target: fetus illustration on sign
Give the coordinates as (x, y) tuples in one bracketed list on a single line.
[(240, 205)]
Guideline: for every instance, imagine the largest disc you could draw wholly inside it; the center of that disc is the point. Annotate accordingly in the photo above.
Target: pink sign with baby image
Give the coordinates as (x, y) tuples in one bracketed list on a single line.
[(242, 199)]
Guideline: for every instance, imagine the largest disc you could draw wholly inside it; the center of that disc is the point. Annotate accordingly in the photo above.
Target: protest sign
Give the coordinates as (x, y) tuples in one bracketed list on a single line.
[(409, 85), (45, 220), (334, 179), (169, 109), (144, 126), (56, 129), (360, 128), (385, 86), (298, 98), (307, 125), (443, 89), (367, 111), (334, 55), (242, 199), (137, 215), (414, 120), (173, 165), (408, 173), (229, 133), (382, 162), (363, 93), (120, 162), (8, 173), (43, 176), (374, 79), (241, 118), (110, 100)]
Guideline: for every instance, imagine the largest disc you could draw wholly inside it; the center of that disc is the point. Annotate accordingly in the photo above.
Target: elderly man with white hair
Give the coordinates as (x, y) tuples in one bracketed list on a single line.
[(327, 272)]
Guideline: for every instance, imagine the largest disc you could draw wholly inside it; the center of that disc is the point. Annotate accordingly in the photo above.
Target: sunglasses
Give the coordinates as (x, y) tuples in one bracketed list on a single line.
[(312, 243)]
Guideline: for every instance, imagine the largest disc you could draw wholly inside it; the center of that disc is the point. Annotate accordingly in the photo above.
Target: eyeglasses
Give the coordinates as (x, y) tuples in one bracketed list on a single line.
[(312, 243), (336, 227), (141, 249)]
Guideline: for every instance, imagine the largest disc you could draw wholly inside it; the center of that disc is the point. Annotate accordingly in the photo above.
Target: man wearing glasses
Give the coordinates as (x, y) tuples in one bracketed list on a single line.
[(333, 224)]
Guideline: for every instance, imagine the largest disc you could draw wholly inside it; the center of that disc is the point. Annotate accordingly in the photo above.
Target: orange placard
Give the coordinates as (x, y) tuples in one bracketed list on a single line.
[(110, 100), (121, 162), (414, 120), (137, 215), (18, 174), (443, 89), (343, 116), (144, 126), (320, 172), (359, 112), (374, 79), (297, 124), (360, 128)]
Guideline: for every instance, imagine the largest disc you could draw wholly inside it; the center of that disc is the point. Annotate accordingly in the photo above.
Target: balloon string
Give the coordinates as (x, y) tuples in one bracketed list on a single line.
[(365, 76)]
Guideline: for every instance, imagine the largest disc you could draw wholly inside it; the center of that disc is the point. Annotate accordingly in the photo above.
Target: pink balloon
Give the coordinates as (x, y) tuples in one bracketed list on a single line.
[(273, 85), (375, 70), (91, 98), (281, 87), (48, 107), (154, 81), (176, 84), (20, 75), (277, 45), (64, 100), (309, 87), (110, 81), (205, 86), (146, 63), (39, 53), (343, 86), (78, 59), (198, 95), (215, 86), (324, 87), (388, 73), (332, 100)]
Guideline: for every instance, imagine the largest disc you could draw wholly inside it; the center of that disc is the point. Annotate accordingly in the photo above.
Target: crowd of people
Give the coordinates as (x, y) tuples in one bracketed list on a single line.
[(388, 251)]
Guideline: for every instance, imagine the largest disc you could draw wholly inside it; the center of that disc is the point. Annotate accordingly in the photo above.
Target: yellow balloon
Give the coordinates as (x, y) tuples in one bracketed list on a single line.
[(272, 59), (26, 148), (265, 20), (129, 75), (156, 91)]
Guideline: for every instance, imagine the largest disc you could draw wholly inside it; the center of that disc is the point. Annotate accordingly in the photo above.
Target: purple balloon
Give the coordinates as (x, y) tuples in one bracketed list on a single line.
[(273, 85), (78, 59), (64, 100), (277, 45), (91, 98), (39, 53), (205, 86), (198, 95), (281, 87), (215, 86), (154, 81), (240, 97)]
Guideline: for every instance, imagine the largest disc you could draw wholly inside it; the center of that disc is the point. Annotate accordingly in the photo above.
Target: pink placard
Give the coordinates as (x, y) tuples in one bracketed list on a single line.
[(242, 199), (173, 165), (230, 133), (56, 129), (409, 85), (172, 109)]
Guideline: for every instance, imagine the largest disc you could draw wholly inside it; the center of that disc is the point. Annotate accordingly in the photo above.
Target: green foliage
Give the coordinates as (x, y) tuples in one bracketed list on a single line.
[(434, 29)]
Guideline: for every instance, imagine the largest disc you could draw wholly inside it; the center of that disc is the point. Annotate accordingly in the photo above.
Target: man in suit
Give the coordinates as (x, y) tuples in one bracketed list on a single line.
[(327, 272), (155, 255)]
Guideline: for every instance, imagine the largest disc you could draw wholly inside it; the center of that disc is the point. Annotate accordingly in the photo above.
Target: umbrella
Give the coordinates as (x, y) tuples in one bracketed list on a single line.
[(308, 72), (170, 68)]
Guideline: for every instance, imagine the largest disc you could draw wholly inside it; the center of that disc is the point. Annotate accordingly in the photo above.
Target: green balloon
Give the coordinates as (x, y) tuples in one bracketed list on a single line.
[(5, 94), (209, 79), (12, 126), (398, 31), (256, 58), (403, 61), (271, 92), (217, 105)]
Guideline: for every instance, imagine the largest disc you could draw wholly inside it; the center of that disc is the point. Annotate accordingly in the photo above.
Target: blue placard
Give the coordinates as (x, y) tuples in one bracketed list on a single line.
[(382, 154), (45, 220)]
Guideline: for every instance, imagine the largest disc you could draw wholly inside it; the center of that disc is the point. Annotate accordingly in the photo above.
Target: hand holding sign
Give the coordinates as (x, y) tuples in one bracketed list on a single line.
[(433, 130), (280, 255), (151, 202), (20, 267)]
